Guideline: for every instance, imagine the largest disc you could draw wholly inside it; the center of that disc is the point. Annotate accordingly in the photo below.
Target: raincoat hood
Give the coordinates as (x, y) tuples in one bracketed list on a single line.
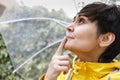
[(93, 71)]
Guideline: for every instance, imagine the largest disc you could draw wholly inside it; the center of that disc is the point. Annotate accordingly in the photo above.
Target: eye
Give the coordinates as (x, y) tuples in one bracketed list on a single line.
[(81, 21)]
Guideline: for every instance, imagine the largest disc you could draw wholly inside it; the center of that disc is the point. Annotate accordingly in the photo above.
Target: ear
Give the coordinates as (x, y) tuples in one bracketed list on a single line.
[(106, 39)]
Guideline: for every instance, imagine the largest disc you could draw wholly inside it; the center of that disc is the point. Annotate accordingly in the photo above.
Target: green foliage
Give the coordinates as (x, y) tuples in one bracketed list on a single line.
[(25, 40), (5, 64), (28, 37)]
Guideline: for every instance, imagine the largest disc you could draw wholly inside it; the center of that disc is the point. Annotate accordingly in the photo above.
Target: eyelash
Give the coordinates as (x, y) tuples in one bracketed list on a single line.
[(81, 20)]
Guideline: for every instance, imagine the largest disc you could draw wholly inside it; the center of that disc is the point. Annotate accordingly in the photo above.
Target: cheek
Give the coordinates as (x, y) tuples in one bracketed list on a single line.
[(85, 40), (86, 45), (86, 34)]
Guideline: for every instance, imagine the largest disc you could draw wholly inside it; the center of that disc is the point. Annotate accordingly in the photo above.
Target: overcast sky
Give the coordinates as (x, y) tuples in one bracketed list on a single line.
[(67, 5)]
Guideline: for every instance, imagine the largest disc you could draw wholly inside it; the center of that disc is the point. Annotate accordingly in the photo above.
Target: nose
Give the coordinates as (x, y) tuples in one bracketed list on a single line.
[(70, 28)]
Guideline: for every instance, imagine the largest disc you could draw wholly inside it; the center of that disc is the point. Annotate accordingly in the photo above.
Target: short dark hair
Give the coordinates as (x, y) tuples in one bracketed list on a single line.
[(108, 20)]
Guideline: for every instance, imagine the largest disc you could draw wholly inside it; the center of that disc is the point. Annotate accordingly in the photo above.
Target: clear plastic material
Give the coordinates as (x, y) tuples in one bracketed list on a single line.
[(31, 43)]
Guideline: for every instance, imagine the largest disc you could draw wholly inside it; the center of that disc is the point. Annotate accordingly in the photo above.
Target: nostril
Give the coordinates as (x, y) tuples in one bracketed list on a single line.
[(70, 28)]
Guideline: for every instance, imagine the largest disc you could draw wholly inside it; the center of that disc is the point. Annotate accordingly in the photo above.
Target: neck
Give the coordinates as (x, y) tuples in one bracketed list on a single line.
[(89, 56)]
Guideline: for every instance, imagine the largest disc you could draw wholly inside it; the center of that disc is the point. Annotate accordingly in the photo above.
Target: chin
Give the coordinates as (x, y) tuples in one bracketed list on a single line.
[(67, 47)]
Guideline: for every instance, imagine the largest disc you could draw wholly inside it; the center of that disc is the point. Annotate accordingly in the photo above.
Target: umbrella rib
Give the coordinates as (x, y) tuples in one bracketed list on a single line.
[(37, 18), (62, 23), (36, 54)]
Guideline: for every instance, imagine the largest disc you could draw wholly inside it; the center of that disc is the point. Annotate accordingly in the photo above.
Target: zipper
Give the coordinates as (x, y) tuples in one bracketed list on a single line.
[(69, 75)]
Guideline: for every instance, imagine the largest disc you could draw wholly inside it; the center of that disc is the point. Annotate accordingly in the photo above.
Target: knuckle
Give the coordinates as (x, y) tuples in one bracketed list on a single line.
[(67, 62), (66, 68), (56, 68)]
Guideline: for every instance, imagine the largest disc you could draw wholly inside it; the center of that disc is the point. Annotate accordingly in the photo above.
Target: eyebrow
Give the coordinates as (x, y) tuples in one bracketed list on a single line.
[(81, 17)]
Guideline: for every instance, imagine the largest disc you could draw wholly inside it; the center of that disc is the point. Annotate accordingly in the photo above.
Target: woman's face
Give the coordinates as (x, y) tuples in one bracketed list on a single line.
[(81, 35)]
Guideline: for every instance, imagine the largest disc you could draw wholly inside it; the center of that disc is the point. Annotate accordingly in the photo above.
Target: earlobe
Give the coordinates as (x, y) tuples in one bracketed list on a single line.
[(106, 39)]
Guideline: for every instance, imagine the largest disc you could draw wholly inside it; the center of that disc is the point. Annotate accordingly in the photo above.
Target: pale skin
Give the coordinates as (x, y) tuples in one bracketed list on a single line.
[(58, 63), (81, 39)]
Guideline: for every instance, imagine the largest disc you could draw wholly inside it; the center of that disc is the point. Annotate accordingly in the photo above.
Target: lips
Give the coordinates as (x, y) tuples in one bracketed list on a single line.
[(69, 37)]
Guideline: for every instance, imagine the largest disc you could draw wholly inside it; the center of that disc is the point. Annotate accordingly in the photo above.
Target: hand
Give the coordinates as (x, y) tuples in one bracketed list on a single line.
[(58, 63)]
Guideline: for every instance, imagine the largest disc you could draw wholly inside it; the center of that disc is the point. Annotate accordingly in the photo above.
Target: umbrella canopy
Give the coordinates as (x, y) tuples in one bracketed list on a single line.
[(31, 42)]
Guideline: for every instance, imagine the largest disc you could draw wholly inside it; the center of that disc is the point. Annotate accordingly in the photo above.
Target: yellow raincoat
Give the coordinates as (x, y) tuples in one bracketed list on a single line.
[(92, 71)]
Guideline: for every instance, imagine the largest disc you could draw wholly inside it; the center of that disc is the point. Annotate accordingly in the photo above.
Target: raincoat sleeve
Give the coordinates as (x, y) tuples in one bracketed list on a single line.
[(42, 77)]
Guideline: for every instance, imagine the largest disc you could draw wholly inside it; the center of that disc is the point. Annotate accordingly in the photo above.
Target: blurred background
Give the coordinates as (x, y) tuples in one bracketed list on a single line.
[(30, 32)]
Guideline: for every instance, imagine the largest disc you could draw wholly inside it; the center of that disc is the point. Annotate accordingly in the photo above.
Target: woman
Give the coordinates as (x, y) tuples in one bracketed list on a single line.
[(94, 38)]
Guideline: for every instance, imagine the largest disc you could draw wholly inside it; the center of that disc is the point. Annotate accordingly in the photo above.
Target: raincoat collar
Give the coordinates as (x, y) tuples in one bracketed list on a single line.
[(99, 69)]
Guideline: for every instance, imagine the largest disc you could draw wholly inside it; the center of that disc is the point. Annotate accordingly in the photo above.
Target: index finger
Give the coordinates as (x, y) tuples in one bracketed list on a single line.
[(61, 46)]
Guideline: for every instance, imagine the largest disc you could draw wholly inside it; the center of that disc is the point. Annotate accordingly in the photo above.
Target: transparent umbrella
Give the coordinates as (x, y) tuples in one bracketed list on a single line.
[(31, 42)]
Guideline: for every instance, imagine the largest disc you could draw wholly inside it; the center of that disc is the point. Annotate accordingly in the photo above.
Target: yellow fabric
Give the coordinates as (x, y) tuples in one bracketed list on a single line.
[(94, 71)]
